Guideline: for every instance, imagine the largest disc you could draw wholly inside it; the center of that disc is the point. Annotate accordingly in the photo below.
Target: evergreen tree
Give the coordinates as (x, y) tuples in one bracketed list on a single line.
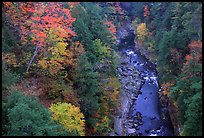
[(87, 87), (25, 116)]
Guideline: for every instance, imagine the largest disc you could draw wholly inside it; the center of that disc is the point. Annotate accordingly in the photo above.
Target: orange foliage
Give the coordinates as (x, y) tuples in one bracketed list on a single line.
[(112, 29), (56, 17), (196, 49), (49, 27), (195, 52), (17, 14), (165, 88), (36, 19)]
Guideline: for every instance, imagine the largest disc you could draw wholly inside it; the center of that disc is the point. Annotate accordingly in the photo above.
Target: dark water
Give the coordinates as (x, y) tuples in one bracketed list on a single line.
[(147, 105)]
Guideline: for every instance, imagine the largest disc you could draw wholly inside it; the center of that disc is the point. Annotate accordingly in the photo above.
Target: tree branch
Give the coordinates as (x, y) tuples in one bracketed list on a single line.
[(35, 53)]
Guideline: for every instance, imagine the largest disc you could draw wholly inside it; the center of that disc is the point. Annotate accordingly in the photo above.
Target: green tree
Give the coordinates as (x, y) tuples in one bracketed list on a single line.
[(9, 79), (25, 116), (87, 87), (193, 114), (89, 25)]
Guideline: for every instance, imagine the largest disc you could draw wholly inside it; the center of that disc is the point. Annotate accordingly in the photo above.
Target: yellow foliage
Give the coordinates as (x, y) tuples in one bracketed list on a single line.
[(61, 55), (110, 97), (141, 31), (69, 116), (42, 63), (165, 88), (61, 47)]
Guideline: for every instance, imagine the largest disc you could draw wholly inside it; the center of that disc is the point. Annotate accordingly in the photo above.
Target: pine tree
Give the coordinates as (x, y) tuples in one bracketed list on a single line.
[(25, 116)]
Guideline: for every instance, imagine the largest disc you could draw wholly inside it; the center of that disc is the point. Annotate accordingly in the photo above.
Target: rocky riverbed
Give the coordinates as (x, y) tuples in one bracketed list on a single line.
[(141, 113)]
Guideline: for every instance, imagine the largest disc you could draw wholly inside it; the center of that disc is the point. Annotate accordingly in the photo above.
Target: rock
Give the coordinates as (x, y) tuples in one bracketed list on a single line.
[(140, 123), (138, 84), (118, 126), (130, 131), (124, 74), (129, 73), (136, 125), (133, 96), (120, 70), (130, 120), (129, 69), (112, 134), (126, 60), (139, 92)]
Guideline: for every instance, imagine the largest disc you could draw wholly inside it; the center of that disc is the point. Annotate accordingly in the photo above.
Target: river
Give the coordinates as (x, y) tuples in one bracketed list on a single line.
[(144, 115)]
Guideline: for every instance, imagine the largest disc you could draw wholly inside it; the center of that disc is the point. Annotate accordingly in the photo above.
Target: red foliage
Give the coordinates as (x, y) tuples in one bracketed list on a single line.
[(194, 58), (36, 19), (146, 11), (46, 25), (96, 114)]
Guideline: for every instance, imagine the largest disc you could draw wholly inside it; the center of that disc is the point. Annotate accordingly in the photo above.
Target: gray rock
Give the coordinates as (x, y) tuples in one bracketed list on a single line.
[(120, 70), (130, 131), (133, 97), (136, 125)]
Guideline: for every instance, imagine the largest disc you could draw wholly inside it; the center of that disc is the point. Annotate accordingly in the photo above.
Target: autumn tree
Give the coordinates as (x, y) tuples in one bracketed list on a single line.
[(69, 116), (146, 11), (47, 26), (112, 30), (188, 89), (193, 60), (141, 32), (25, 116)]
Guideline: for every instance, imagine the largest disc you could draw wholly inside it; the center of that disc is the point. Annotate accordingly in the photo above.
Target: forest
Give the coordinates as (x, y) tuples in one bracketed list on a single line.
[(64, 72)]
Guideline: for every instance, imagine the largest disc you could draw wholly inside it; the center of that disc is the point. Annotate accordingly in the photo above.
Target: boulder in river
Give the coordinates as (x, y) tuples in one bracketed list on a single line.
[(130, 131)]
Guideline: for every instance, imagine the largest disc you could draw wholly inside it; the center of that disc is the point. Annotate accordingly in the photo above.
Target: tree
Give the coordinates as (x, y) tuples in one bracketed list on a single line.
[(9, 78), (193, 65), (25, 116), (136, 13), (69, 116), (146, 11), (90, 25), (141, 32), (87, 88), (47, 26), (188, 89), (193, 124), (112, 30)]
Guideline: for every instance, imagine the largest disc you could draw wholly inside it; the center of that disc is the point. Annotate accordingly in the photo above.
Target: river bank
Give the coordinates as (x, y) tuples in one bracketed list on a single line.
[(140, 111)]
